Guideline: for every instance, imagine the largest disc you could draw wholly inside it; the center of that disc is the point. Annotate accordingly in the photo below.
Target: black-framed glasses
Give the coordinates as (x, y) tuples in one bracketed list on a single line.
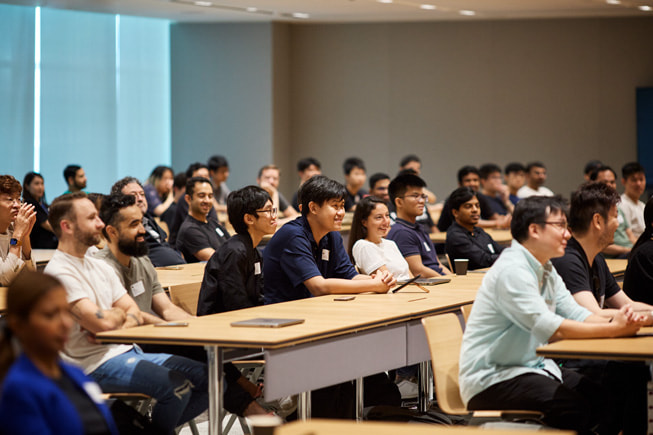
[(416, 196), (561, 225), (272, 212)]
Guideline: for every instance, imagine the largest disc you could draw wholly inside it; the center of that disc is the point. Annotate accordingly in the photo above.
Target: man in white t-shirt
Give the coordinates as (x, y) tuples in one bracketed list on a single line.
[(99, 302), (634, 181), (535, 179)]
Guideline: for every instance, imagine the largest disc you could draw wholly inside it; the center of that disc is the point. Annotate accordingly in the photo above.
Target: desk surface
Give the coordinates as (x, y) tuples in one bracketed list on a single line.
[(502, 237), (617, 266), (181, 274), (3, 299), (42, 256), (324, 318), (335, 427), (638, 348)]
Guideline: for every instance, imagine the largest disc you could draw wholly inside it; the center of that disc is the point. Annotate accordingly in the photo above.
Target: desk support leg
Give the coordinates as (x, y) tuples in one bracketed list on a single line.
[(214, 354), (359, 399), (423, 384), (304, 405)]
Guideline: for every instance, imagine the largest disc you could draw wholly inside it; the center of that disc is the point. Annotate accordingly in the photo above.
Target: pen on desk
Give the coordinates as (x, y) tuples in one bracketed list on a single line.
[(418, 299)]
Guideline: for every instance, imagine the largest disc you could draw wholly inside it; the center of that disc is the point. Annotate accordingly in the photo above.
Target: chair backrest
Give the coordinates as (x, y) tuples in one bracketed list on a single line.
[(185, 296), (444, 335), (466, 310)]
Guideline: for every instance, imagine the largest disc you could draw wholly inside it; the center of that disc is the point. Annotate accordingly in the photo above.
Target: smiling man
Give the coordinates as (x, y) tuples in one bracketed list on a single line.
[(634, 181), (464, 238), (200, 234), (535, 179)]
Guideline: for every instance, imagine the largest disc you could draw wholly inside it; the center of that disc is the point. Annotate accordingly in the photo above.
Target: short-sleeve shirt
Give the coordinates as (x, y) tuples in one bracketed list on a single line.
[(293, 256), (370, 256), (195, 235), (634, 213), (638, 280), (495, 203), (152, 196), (620, 235), (477, 246), (139, 279), (578, 276), (352, 200), (525, 191), (413, 240), (221, 193), (91, 278), (41, 238)]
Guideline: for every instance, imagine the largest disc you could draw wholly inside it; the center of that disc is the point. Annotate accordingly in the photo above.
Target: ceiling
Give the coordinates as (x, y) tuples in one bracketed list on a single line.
[(340, 11)]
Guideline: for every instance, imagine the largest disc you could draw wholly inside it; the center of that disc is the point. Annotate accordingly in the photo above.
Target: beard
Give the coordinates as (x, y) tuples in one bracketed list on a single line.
[(133, 248), (88, 238)]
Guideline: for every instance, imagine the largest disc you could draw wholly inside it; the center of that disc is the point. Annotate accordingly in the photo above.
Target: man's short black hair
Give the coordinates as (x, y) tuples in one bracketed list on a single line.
[(245, 201), (535, 164), (217, 162), (110, 210), (595, 173), (194, 167), (192, 181), (352, 163), (120, 184), (592, 166), (378, 177), (401, 183), (70, 171), (514, 167), (487, 169), (180, 180), (534, 210), (305, 163), (632, 168), (466, 170), (409, 159), (319, 189), (460, 196), (588, 199)]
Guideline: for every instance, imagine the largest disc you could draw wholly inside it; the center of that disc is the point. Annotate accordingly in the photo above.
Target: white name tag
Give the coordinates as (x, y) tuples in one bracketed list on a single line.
[(325, 254), (137, 288), (490, 248), (257, 268), (428, 248), (219, 231)]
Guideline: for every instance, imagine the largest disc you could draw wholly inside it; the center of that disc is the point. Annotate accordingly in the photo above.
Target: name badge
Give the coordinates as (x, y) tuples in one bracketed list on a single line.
[(490, 248), (257, 268), (426, 245), (325, 254), (137, 288), (219, 231)]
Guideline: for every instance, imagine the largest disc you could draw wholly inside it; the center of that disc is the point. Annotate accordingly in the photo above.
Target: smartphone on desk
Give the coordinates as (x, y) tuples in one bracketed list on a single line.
[(344, 298)]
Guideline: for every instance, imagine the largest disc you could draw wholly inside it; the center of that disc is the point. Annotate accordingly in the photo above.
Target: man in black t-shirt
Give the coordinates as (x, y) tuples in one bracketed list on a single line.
[(200, 234)]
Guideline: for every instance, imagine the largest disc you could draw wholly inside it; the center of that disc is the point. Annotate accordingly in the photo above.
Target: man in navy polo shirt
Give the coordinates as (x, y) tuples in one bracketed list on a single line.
[(306, 257), (407, 193)]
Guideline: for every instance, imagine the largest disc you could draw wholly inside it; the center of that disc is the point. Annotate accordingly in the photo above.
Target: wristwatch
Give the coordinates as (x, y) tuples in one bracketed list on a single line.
[(15, 242)]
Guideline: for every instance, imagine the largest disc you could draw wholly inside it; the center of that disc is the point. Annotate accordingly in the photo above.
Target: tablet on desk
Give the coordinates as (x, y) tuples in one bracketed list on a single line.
[(432, 281), (266, 322)]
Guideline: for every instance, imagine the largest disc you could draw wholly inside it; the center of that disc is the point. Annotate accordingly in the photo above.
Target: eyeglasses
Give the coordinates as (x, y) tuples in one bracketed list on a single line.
[(272, 212), (561, 225), (416, 196)]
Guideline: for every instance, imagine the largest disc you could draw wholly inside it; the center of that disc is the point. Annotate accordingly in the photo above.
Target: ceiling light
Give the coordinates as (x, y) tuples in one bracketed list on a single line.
[(201, 3), (427, 7), (467, 13), (301, 15), (645, 8), (613, 2), (251, 9)]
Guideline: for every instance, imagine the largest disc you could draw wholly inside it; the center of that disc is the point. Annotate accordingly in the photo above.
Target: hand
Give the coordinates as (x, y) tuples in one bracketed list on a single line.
[(268, 187), (24, 221), (385, 280), (504, 221), (626, 322)]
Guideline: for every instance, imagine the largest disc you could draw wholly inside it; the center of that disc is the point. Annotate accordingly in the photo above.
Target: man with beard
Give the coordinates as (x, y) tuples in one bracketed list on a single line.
[(126, 252), (98, 302), (75, 178)]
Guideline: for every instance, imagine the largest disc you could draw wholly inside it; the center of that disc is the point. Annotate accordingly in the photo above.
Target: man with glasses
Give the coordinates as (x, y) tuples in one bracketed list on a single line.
[(523, 304), (407, 194), (16, 223), (200, 234), (593, 219)]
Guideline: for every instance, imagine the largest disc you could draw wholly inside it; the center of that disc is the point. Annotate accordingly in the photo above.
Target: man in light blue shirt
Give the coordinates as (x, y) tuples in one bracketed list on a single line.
[(523, 304)]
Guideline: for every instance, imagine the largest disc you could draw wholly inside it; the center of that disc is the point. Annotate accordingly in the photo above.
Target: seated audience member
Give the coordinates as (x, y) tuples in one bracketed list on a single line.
[(99, 302), (354, 169), (638, 280), (379, 183), (515, 179), (16, 223), (41, 236), (523, 304), (160, 252), (40, 393), (194, 170), (634, 181), (75, 178), (306, 168), (624, 239), (591, 167), (424, 220), (496, 193), (268, 179), (219, 173), (468, 176), (464, 238), (593, 220), (158, 191), (407, 194), (535, 179), (411, 161), (368, 247), (200, 234)]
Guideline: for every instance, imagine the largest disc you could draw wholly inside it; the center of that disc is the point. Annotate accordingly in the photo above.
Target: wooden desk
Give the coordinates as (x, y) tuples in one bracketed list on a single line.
[(335, 427), (3, 299), (617, 266), (42, 257), (502, 237), (338, 342), (181, 274)]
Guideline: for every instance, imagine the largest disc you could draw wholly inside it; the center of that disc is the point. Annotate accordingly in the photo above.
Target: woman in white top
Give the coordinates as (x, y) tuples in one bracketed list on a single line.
[(368, 248)]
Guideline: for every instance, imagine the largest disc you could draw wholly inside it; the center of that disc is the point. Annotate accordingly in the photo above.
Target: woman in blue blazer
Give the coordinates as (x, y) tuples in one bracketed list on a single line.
[(40, 394)]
